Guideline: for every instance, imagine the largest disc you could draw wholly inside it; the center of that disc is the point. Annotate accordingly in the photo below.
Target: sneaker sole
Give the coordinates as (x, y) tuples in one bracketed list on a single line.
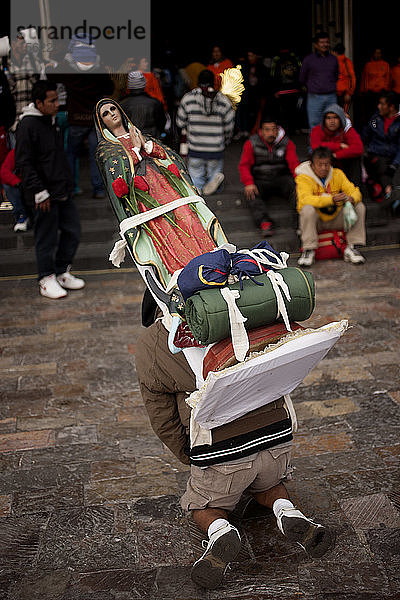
[(209, 570), (353, 262), (53, 297), (68, 287), (315, 539)]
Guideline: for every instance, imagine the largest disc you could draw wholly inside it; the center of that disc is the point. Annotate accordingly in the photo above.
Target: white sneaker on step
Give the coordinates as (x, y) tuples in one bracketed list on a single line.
[(307, 258), (353, 255), (22, 224), (314, 538), (222, 547), (50, 288), (213, 184), (70, 282)]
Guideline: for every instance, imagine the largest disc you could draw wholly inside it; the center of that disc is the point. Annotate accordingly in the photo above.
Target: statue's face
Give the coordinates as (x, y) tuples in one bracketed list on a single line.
[(111, 116)]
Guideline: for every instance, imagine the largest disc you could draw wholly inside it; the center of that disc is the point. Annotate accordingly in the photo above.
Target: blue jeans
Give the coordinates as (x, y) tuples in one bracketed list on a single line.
[(316, 106), (14, 196), (202, 170), (76, 135)]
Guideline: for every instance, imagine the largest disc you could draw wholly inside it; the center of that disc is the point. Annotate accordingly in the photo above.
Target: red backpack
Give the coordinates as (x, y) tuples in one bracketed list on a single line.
[(331, 244)]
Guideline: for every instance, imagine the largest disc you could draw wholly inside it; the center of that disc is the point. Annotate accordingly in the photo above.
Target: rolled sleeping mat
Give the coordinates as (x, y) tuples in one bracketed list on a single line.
[(207, 312)]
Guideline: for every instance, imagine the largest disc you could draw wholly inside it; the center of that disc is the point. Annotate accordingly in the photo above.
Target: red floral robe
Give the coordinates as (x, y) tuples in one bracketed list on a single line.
[(175, 245)]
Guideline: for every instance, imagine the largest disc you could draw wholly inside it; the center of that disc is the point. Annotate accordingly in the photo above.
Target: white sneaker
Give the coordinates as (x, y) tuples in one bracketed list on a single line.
[(70, 282), (213, 184), (307, 258), (50, 288), (222, 547), (353, 255), (21, 225), (314, 538)]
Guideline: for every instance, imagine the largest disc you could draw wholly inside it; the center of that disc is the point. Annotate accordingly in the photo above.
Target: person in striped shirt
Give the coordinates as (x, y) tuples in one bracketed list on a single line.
[(208, 118)]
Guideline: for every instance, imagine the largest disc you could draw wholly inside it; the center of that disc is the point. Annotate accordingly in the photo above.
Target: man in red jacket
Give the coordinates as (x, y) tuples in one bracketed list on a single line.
[(266, 168), (11, 184), (337, 133)]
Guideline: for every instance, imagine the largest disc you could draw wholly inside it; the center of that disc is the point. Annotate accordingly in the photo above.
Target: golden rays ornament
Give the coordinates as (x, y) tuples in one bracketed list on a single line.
[(232, 84)]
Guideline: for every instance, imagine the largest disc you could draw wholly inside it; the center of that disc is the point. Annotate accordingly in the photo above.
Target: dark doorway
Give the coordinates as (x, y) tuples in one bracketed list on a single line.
[(190, 30)]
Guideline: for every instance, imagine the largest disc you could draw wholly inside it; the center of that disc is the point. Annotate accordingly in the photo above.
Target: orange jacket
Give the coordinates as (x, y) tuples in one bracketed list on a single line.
[(395, 78), (219, 68), (375, 76), (346, 83), (153, 88)]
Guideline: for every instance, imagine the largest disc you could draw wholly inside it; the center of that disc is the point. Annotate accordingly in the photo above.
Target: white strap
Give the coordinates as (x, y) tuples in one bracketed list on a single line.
[(292, 412), (117, 255), (140, 218), (260, 255), (240, 340), (277, 282)]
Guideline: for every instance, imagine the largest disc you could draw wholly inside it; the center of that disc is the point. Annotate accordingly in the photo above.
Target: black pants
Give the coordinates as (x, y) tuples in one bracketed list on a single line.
[(376, 167), (57, 235), (281, 186), (352, 168), (286, 107)]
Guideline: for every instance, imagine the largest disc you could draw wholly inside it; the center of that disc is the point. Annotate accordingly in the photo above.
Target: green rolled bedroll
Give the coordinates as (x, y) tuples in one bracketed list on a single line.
[(207, 312)]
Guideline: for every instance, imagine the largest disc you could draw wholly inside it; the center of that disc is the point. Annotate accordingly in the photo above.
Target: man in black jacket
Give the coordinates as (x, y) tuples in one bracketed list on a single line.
[(47, 185), (145, 112)]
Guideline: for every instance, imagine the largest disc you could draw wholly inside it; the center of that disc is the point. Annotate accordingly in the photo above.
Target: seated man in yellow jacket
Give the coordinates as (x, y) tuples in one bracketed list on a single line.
[(322, 191)]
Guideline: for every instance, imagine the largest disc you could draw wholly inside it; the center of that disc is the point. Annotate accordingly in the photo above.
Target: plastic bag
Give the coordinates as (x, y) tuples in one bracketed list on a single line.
[(349, 216)]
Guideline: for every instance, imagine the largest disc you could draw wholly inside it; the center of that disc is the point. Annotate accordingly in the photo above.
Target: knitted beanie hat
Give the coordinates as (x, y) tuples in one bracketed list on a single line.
[(82, 48), (136, 80)]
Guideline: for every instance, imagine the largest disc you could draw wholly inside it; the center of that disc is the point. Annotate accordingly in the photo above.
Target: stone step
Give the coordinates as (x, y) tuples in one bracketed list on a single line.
[(100, 230), (100, 226), (98, 237), (90, 256)]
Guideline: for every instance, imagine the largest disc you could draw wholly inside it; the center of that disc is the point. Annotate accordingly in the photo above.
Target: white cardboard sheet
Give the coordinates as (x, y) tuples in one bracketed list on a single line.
[(262, 378)]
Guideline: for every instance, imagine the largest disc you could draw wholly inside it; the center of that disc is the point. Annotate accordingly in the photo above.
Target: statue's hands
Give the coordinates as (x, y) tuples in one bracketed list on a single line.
[(136, 137)]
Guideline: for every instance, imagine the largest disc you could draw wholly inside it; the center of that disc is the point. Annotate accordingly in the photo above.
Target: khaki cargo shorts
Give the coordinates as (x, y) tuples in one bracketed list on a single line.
[(221, 486)]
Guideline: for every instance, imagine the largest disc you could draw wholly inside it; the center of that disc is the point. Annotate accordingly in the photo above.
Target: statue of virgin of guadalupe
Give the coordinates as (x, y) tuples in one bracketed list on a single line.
[(141, 174)]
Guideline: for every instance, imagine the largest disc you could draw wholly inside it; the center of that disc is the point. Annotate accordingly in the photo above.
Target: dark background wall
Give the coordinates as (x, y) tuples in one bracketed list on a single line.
[(375, 26), (190, 29)]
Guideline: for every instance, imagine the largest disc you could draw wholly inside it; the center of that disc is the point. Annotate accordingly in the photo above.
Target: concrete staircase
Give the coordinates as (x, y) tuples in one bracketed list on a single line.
[(100, 227)]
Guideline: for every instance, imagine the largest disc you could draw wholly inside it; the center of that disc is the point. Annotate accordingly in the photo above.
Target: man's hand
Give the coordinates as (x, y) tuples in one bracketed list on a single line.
[(388, 189), (343, 145), (250, 191), (340, 198), (44, 206)]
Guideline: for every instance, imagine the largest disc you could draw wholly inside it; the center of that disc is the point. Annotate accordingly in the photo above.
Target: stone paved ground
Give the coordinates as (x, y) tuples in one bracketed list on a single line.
[(89, 496)]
